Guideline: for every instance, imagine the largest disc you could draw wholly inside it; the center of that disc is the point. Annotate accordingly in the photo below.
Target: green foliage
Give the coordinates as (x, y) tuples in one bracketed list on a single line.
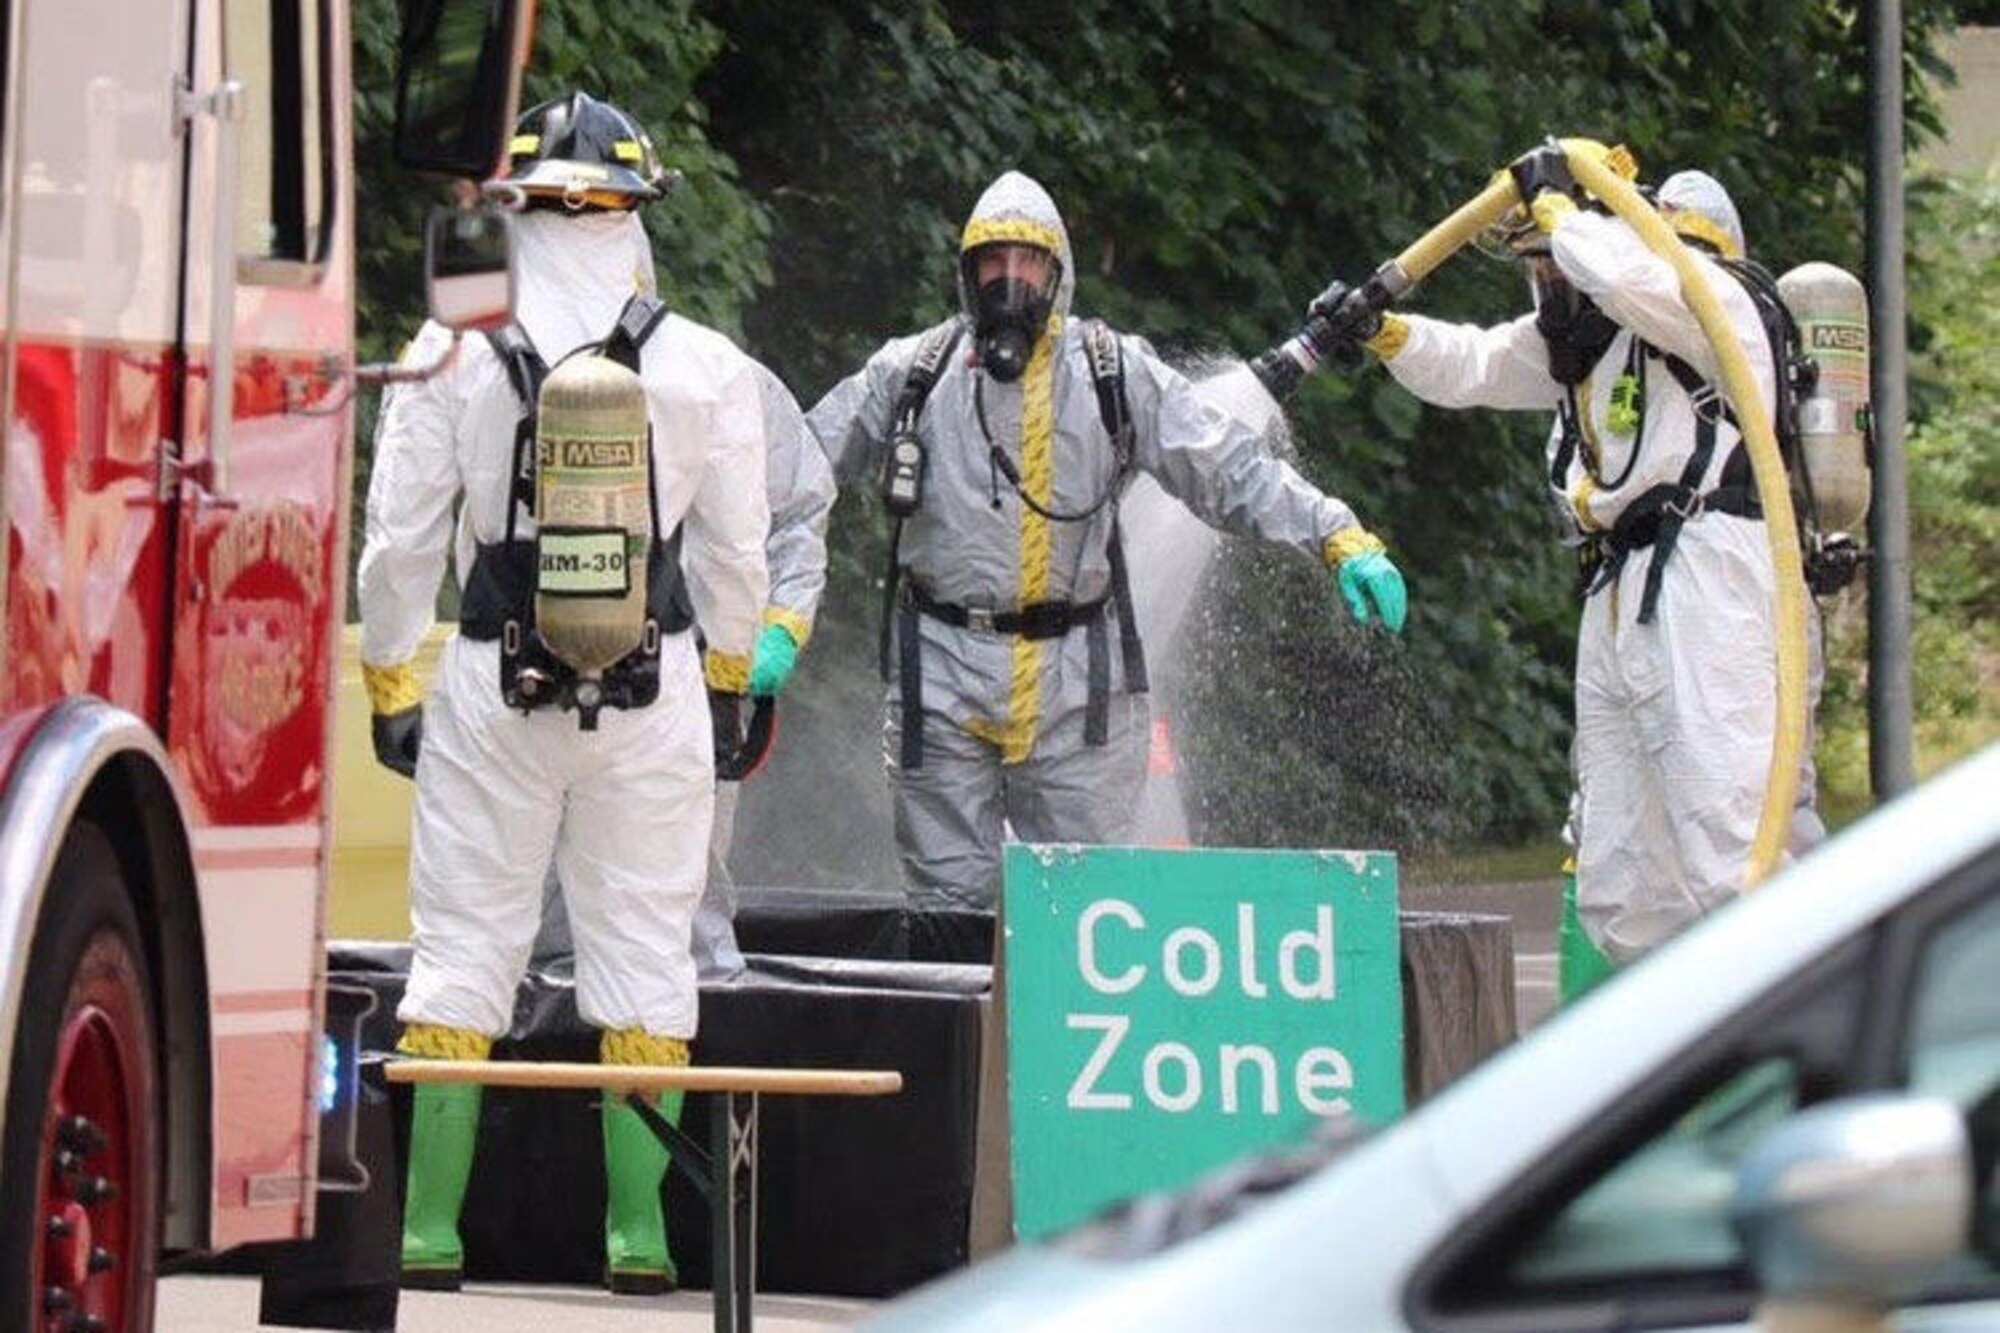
[(1953, 463)]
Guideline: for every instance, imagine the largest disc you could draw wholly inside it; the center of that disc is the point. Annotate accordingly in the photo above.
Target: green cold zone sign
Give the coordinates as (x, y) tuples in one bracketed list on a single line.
[(1169, 1010)]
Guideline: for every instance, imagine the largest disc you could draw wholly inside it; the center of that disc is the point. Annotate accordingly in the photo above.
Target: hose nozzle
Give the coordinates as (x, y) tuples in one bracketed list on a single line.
[(1281, 369), (1338, 325)]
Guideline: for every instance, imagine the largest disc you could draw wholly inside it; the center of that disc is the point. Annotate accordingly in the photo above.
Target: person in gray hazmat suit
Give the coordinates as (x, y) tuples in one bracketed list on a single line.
[(799, 485), (521, 756), (1675, 678), (1011, 613)]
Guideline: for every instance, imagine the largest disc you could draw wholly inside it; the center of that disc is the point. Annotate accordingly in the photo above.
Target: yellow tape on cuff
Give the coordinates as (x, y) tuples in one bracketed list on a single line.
[(636, 1046), (1579, 503), (1551, 208), (795, 624), (1389, 339), (1022, 231), (1349, 542), (434, 1041), (727, 672), (391, 689)]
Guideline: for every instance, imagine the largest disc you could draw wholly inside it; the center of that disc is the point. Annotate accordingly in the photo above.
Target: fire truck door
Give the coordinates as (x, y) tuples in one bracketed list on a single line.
[(92, 232), (260, 564), (270, 333)]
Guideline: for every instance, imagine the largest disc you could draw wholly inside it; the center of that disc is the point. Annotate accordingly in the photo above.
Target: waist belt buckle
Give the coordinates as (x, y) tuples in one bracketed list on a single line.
[(979, 618)]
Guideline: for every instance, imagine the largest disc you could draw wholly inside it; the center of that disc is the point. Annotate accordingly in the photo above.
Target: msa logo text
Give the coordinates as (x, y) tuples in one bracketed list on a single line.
[(588, 453), (1839, 338)]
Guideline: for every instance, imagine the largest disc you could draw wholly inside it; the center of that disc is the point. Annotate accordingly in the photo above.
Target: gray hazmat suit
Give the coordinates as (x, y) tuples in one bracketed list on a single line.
[(1675, 719), (1003, 715), (622, 812)]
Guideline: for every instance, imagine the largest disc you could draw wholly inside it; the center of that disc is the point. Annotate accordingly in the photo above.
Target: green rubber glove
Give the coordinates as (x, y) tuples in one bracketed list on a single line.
[(777, 656), (1373, 578)]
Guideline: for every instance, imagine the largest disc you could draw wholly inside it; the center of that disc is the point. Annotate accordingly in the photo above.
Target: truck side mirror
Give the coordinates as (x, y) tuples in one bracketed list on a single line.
[(469, 267), (458, 74)]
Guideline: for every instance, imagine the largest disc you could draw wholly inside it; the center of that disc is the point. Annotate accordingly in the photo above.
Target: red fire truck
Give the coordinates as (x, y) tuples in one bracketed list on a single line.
[(177, 302)]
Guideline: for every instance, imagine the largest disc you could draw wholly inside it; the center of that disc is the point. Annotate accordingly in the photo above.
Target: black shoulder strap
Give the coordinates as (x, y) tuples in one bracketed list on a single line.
[(525, 372), (933, 350), (1793, 372), (1568, 442), (523, 364), (1107, 375), (636, 322), (924, 371)]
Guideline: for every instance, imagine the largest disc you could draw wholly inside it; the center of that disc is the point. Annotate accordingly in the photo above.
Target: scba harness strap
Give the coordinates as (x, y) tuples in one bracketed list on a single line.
[(1655, 518), (499, 600), (905, 599)]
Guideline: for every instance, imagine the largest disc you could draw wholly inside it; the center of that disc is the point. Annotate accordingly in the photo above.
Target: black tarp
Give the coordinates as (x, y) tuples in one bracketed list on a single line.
[(857, 1197)]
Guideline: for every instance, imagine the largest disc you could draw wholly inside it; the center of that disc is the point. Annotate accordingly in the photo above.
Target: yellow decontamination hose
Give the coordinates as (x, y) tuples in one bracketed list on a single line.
[(1753, 418)]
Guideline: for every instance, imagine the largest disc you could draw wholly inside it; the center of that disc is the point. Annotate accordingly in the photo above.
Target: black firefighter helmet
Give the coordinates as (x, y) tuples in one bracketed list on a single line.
[(577, 152)]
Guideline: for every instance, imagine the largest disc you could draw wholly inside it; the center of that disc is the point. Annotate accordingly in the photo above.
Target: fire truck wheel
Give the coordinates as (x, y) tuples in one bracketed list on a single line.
[(80, 1207)]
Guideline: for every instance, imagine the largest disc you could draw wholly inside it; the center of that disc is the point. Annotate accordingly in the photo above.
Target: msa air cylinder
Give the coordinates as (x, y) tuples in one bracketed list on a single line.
[(1831, 308), (593, 512)]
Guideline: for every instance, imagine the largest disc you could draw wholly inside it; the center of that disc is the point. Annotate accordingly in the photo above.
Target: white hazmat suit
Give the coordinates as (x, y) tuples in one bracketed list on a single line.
[(623, 811), (1675, 718)]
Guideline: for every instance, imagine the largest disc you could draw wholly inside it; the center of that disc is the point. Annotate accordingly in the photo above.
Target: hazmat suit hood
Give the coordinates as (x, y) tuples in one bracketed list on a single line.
[(1016, 208), (1702, 210), (574, 273)]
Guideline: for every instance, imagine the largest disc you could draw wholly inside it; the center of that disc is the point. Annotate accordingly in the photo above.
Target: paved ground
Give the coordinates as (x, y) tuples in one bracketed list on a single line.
[(229, 1305)]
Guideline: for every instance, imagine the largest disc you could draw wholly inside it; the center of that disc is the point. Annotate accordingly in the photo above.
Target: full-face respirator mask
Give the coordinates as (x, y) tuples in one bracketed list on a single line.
[(1008, 289)]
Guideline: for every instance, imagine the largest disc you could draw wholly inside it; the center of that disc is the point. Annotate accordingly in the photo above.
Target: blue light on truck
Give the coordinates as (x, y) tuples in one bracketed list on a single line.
[(329, 1073)]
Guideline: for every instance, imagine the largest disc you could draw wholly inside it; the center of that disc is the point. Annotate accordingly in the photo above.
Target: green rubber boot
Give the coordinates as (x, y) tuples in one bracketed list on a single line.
[(444, 1122), (636, 1259), (1580, 964)]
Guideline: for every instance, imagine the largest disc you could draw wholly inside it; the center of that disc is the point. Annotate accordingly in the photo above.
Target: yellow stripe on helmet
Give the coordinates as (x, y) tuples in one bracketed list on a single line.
[(523, 144), (627, 150), (1022, 231)]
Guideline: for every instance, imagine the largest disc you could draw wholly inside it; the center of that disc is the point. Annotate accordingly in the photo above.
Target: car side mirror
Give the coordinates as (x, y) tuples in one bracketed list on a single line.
[(469, 267), (458, 74), (1850, 1205)]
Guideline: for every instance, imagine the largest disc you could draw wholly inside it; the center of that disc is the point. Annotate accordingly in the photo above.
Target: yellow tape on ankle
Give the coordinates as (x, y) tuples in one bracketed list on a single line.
[(434, 1041), (636, 1046)]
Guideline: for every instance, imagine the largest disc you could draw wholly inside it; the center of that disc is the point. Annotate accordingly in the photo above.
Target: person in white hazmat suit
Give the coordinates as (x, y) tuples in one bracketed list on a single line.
[(619, 800), (799, 485), (1676, 694), (1011, 617)]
